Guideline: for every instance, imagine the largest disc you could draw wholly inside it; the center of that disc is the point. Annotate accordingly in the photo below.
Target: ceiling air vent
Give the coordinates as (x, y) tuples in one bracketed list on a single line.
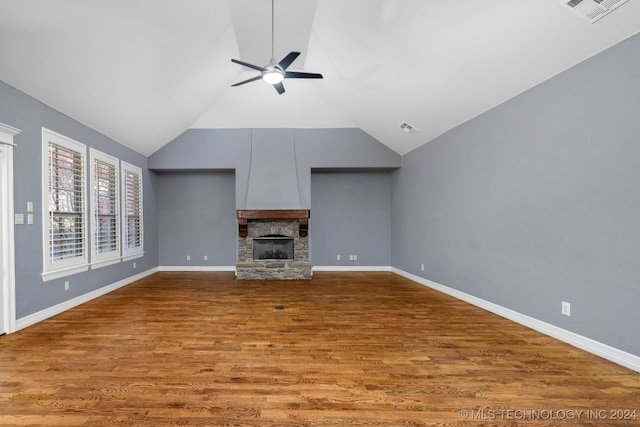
[(592, 10), (411, 130)]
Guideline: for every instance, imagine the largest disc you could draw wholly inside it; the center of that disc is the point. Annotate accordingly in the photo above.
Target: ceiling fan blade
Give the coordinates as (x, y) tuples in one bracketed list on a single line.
[(279, 87), (287, 60), (301, 75), (253, 79), (246, 64)]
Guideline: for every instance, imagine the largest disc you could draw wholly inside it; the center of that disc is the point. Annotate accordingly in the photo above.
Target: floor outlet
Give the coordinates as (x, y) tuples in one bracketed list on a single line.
[(566, 308)]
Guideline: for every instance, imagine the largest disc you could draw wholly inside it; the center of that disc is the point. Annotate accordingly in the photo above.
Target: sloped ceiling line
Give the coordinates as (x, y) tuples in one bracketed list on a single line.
[(143, 72)]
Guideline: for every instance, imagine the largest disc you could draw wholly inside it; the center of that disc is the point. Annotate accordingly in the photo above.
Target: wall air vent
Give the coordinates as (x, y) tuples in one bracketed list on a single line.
[(592, 10), (411, 130)]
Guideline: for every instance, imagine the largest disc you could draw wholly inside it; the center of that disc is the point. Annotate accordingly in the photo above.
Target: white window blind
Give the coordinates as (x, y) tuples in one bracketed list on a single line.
[(105, 210), (65, 231), (66, 203), (132, 210)]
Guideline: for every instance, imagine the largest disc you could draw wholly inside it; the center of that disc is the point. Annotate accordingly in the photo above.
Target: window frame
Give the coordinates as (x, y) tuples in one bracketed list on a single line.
[(138, 251), (53, 269), (102, 259)]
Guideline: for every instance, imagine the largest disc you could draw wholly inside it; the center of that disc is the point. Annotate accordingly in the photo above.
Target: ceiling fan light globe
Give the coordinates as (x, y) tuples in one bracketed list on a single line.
[(272, 77)]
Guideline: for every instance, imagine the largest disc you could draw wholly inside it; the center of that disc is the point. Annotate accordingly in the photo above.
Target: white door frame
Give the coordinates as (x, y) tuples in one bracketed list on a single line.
[(7, 267)]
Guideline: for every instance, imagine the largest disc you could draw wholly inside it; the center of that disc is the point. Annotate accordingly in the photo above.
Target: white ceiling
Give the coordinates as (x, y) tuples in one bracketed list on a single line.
[(144, 71)]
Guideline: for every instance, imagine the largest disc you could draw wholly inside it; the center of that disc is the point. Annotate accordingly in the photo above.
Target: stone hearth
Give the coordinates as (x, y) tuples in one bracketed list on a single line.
[(260, 223)]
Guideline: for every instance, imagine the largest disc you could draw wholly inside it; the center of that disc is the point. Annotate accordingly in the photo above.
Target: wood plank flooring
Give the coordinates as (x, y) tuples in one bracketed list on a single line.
[(351, 349)]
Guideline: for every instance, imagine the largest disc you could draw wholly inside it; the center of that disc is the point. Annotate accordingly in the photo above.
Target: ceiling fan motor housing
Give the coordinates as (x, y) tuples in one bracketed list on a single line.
[(273, 73)]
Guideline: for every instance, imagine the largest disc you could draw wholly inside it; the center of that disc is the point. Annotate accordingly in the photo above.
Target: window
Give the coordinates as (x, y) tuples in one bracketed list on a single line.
[(65, 237), (132, 219), (105, 209), (115, 212)]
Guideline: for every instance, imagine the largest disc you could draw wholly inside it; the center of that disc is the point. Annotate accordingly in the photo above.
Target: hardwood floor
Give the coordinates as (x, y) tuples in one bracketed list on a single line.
[(347, 349)]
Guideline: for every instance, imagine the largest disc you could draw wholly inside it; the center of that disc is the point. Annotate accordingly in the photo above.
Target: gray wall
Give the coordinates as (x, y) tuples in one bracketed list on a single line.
[(245, 152), (350, 215), (211, 149), (196, 217), (32, 294), (537, 202)]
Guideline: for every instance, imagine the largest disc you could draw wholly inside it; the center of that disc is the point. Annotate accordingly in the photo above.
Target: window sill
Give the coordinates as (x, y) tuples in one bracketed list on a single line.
[(56, 274)]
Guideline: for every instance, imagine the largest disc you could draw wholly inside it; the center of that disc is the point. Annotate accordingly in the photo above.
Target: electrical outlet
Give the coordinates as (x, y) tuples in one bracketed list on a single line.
[(338, 257), (355, 257), (206, 257), (66, 285), (134, 265), (566, 308), (422, 267), (188, 257)]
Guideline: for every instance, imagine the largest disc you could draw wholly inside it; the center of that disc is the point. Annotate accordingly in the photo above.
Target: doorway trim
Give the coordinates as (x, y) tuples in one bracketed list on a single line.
[(7, 280)]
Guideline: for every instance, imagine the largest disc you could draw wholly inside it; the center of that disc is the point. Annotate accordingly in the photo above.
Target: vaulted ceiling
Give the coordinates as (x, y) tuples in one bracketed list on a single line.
[(144, 71)]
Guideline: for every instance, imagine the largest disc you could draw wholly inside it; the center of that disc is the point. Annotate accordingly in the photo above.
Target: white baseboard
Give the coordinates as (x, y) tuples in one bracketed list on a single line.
[(314, 268), (59, 308), (351, 268), (197, 268), (613, 354)]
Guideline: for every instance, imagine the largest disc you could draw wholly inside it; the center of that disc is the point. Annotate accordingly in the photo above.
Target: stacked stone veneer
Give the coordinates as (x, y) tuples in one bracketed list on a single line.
[(249, 269)]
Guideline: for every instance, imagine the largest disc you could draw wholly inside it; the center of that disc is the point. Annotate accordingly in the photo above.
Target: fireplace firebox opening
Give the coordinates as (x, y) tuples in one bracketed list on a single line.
[(273, 247)]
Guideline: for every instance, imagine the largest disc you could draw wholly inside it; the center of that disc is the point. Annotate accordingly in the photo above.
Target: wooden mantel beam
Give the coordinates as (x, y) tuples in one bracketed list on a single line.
[(245, 215)]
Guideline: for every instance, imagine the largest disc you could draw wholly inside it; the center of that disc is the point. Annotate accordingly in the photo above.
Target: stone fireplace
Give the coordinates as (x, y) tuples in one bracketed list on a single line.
[(273, 244)]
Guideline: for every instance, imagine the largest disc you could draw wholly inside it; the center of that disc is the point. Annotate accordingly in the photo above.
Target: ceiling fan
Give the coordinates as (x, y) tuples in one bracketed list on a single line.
[(275, 72)]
